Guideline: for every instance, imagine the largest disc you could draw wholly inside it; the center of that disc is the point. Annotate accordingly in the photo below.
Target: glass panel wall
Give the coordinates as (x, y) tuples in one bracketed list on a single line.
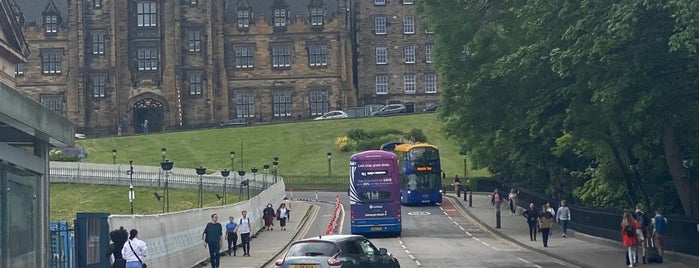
[(19, 217)]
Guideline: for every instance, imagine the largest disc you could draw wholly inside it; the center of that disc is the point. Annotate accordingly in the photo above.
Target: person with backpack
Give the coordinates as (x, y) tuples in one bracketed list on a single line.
[(644, 221), (629, 237), (659, 229), (243, 229)]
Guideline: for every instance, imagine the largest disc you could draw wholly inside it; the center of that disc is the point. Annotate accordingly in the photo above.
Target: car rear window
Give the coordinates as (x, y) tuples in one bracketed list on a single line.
[(313, 248)]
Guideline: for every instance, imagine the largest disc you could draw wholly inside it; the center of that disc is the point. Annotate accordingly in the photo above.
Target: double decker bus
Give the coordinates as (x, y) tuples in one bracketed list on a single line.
[(420, 170), (374, 193)]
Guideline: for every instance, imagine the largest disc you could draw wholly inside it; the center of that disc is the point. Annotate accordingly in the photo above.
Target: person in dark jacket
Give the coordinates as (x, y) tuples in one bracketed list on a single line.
[(118, 238), (268, 215), (545, 222), (532, 216)]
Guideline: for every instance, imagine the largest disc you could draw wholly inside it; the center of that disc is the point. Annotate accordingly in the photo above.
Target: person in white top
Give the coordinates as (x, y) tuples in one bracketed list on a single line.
[(549, 209), (281, 215), (244, 230), (134, 250), (513, 201)]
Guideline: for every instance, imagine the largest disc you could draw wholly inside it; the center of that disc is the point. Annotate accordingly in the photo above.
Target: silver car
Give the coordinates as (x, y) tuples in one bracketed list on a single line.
[(336, 251)]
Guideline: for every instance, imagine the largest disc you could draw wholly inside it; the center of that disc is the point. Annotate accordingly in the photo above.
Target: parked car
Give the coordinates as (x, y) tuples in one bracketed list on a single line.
[(390, 109), (336, 251), (332, 115), (430, 107), (80, 136), (236, 122)]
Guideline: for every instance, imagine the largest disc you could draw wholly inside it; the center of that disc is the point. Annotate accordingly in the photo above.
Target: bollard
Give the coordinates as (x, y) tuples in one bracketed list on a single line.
[(458, 191), (465, 190), (470, 199), (497, 219)]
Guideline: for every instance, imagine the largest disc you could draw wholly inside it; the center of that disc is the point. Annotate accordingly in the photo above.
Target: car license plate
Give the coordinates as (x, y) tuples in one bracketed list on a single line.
[(304, 266), (378, 228)]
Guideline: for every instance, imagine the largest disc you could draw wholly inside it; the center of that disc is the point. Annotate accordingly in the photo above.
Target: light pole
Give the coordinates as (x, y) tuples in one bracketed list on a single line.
[(254, 179), (233, 161), (275, 164), (163, 153), (687, 163), (264, 179), (114, 151), (243, 183), (330, 157), (201, 171), (132, 195), (225, 174), (167, 167)]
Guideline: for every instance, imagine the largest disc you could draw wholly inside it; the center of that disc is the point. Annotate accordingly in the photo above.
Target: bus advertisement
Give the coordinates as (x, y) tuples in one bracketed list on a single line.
[(420, 170), (374, 193)]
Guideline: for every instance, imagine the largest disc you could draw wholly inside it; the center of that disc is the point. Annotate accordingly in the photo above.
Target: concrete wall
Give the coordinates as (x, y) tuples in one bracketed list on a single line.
[(174, 239)]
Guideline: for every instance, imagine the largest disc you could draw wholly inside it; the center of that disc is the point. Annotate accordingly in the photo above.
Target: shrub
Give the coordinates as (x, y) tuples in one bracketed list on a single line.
[(357, 134), (344, 143), (58, 155), (416, 135)]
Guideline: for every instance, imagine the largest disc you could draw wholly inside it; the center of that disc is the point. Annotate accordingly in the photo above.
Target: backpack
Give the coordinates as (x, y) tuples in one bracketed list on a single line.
[(629, 231), (660, 224)]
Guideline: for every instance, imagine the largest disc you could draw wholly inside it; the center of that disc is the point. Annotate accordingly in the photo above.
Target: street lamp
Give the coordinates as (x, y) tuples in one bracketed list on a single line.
[(688, 162), (132, 195), (275, 164), (330, 157), (114, 151), (225, 174), (201, 171), (163, 153), (233, 161), (243, 183), (264, 179), (254, 173), (166, 165)]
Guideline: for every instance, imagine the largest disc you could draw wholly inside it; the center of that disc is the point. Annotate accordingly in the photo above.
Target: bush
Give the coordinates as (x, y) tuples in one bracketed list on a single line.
[(416, 135), (58, 155), (357, 134)]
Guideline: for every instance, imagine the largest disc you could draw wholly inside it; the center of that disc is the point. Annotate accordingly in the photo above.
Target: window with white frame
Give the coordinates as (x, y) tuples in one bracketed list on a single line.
[(19, 69), (319, 102), (409, 25), (281, 56), (193, 2), (409, 82), (317, 16), (243, 19), (318, 55), (408, 2), (379, 2), (98, 43), (428, 53), (99, 85), (146, 14), (51, 61), (381, 55), (194, 37), (244, 57), (51, 23), (195, 83), (282, 103), (409, 53), (380, 25), (53, 102), (97, 3), (382, 84), (280, 18), (245, 104), (430, 83), (147, 59)]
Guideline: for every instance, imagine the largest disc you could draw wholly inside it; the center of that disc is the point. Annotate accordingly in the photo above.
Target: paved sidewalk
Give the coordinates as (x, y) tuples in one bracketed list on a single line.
[(265, 245), (578, 248)]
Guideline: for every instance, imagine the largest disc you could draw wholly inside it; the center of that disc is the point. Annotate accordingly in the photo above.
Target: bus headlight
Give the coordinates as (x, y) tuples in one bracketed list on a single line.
[(440, 191), (408, 191)]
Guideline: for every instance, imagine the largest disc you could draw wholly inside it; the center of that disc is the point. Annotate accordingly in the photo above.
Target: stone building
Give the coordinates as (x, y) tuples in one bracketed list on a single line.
[(394, 55), (113, 65)]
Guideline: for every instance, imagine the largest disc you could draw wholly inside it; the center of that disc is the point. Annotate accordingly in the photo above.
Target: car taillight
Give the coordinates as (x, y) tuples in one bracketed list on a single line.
[(333, 261), (398, 215)]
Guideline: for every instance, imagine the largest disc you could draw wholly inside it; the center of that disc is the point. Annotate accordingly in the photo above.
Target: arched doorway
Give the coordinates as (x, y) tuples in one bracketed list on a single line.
[(151, 110)]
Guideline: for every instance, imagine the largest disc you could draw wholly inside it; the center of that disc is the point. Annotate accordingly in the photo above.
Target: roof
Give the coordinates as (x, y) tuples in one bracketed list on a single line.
[(409, 146), (331, 238), (32, 10), (264, 7), (11, 33), (373, 154)]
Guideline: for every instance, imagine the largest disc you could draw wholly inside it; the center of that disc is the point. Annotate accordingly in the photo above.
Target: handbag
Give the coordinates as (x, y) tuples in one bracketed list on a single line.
[(137, 257)]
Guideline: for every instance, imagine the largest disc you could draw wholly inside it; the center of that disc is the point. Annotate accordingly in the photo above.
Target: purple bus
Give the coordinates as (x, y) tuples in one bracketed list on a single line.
[(374, 191)]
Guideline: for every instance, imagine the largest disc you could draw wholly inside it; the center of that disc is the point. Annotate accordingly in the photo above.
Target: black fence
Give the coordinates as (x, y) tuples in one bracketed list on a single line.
[(682, 234)]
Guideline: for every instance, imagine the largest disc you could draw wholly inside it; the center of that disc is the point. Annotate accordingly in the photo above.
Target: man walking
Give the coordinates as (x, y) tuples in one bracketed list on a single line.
[(563, 216), (244, 230), (659, 228), (231, 236), (212, 237)]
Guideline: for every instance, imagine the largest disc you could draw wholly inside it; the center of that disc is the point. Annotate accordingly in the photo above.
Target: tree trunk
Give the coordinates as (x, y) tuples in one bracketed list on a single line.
[(679, 174), (628, 181)]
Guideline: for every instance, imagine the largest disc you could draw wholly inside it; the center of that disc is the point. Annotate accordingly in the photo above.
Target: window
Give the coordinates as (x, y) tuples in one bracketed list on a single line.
[(279, 18), (409, 82), (380, 25), (379, 2), (281, 56), (98, 43), (51, 61), (244, 57), (282, 103), (428, 53), (195, 84), (51, 23), (147, 59), (317, 55), (317, 16), (96, 3), (381, 55), (409, 25), (194, 41), (245, 104), (99, 85), (193, 2), (409, 53), (19, 69), (319, 102), (146, 14), (407, 2), (382, 84), (243, 18), (430, 83), (53, 102)]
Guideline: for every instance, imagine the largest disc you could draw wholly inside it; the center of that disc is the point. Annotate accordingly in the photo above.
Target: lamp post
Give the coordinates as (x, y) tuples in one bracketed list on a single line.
[(201, 171), (233, 161), (163, 153), (114, 151), (264, 179), (132, 195), (275, 164), (254, 179), (225, 174), (687, 163), (167, 167), (330, 157), (243, 183)]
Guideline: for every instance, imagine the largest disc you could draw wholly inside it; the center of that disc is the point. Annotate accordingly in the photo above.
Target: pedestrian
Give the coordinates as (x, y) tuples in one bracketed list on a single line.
[(212, 238), (548, 208), (268, 215), (119, 238), (563, 217), (287, 204), (545, 222), (134, 251), (629, 237), (659, 229), (145, 126), (513, 201), (231, 235), (532, 216), (282, 216), (243, 229), (496, 200), (644, 221)]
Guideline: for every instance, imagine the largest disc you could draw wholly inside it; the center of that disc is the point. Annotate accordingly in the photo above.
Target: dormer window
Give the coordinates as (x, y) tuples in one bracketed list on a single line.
[(243, 19), (280, 18), (51, 23), (317, 16)]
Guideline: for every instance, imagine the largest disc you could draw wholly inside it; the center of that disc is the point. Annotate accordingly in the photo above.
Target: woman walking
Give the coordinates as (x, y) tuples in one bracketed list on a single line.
[(134, 250), (282, 216), (545, 222), (532, 216), (628, 237), (513, 201), (268, 216)]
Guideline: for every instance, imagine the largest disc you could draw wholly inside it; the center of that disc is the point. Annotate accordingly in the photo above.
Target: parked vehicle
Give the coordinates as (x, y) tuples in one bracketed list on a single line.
[(80, 136), (236, 122), (390, 109), (336, 251), (332, 115), (430, 107)]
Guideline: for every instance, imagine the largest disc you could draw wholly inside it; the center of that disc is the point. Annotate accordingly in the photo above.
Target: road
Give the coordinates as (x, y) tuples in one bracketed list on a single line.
[(436, 236)]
